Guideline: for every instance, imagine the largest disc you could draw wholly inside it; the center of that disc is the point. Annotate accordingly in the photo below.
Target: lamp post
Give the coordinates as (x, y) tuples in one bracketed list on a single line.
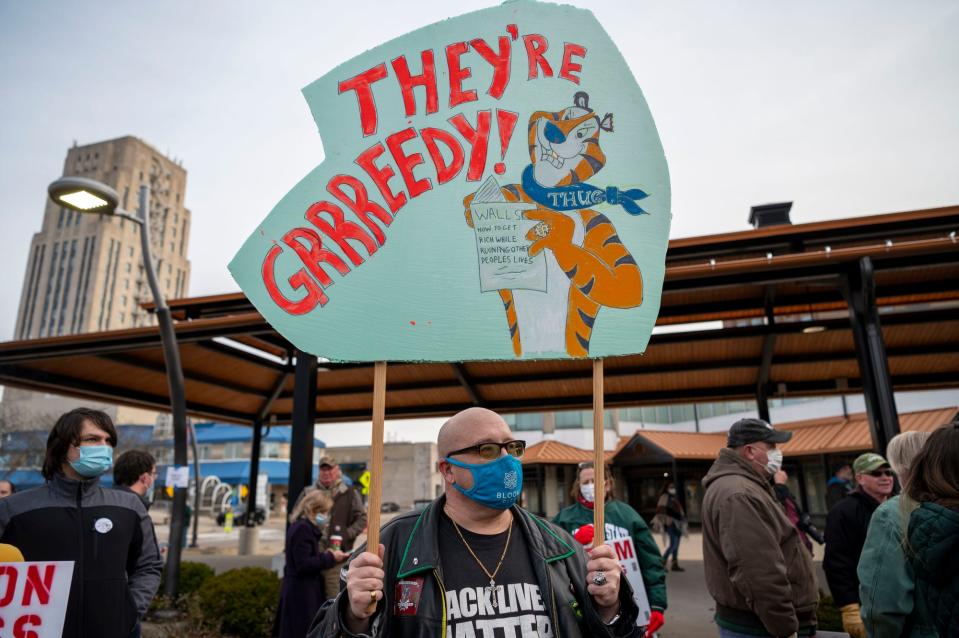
[(90, 196)]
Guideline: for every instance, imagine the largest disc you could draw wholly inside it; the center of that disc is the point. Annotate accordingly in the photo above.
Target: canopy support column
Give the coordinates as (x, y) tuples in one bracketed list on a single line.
[(765, 365), (859, 289), (249, 534), (304, 420)]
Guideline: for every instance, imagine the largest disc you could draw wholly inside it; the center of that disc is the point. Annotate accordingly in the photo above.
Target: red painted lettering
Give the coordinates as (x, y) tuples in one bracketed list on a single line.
[(458, 74), (22, 628), (341, 231), (478, 139), (427, 80), (569, 67), (362, 84), (536, 46), (313, 254), (407, 163), (499, 62), (8, 578), (444, 172), (360, 203), (35, 585), (380, 176), (299, 279), (623, 551)]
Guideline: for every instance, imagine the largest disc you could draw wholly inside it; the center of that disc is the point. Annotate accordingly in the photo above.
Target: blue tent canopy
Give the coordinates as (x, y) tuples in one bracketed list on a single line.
[(207, 433), (237, 472)]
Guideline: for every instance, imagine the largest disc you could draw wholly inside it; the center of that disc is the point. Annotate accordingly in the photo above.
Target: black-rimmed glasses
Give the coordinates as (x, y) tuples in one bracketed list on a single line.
[(490, 451)]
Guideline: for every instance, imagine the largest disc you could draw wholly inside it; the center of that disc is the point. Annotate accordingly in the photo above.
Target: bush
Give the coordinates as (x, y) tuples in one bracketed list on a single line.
[(192, 577), (241, 602), (828, 617)]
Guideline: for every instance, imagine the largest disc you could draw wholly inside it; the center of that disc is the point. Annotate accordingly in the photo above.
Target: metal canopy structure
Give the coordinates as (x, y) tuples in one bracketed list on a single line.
[(868, 304), (783, 294)]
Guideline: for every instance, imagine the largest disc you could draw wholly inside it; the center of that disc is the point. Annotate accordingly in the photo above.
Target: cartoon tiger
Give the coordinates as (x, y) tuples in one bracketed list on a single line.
[(587, 264)]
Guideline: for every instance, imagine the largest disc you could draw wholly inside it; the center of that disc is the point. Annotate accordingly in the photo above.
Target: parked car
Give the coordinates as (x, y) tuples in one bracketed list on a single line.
[(389, 506), (239, 516)]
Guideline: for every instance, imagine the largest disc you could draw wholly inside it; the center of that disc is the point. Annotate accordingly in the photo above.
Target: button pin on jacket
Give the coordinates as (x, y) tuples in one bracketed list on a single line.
[(103, 525)]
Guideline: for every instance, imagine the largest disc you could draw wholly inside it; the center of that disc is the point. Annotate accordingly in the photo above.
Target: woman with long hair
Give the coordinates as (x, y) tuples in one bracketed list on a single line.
[(303, 586), (672, 517), (621, 521), (886, 581), (933, 540)]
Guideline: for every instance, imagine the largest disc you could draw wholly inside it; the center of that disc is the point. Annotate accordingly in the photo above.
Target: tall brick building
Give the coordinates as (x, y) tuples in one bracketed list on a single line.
[(84, 271)]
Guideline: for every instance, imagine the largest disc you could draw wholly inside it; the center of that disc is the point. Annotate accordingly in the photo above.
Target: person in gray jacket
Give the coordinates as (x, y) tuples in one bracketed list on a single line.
[(107, 533)]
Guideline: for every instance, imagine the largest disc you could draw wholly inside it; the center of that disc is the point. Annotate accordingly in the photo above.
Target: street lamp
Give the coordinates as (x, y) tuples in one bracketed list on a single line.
[(90, 196)]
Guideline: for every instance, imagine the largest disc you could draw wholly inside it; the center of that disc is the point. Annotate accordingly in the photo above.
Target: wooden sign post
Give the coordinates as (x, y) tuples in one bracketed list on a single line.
[(376, 457), (599, 457)]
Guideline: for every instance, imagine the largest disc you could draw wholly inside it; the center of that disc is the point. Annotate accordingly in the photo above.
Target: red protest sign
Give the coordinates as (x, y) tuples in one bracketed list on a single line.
[(33, 598)]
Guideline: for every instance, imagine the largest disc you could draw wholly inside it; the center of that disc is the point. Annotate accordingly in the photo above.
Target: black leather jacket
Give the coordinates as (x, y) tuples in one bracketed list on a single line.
[(412, 550)]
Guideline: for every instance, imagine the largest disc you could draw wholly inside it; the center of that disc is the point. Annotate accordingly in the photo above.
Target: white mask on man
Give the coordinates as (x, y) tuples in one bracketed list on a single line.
[(774, 460), (588, 490)]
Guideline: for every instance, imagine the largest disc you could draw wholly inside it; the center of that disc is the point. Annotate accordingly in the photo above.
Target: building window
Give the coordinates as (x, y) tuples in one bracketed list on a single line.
[(527, 421), (270, 450), (131, 251), (129, 267)]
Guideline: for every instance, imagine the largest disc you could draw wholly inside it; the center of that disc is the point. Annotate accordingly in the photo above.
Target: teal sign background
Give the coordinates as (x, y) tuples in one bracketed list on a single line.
[(418, 296)]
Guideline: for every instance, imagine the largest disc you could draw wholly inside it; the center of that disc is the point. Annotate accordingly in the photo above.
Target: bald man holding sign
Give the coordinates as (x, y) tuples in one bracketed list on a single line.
[(474, 561)]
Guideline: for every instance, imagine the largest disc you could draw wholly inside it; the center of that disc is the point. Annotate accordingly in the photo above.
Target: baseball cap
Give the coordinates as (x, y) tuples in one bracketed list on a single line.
[(327, 459), (868, 462), (746, 431)]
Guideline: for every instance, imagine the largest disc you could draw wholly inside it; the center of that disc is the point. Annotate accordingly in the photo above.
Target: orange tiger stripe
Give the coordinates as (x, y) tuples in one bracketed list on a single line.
[(512, 321), (579, 323)]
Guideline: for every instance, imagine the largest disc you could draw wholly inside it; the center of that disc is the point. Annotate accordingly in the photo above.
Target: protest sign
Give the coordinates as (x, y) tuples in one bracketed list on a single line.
[(494, 187), (33, 598), (177, 476), (626, 554)]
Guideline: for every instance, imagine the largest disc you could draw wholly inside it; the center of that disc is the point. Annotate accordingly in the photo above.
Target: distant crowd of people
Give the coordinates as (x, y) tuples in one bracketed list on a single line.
[(474, 560)]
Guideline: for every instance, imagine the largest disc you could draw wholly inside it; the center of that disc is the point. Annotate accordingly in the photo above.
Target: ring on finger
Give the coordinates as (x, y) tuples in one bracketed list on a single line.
[(373, 596), (599, 578)]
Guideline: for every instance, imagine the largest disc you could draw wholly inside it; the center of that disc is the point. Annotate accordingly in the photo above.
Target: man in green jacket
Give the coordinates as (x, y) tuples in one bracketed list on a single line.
[(474, 562), (621, 521)]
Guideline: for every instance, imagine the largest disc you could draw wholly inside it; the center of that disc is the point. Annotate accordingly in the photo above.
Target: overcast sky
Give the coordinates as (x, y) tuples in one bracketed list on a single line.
[(846, 108)]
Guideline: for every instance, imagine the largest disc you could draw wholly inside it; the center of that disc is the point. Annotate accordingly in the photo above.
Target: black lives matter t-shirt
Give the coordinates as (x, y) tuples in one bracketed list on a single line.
[(515, 610)]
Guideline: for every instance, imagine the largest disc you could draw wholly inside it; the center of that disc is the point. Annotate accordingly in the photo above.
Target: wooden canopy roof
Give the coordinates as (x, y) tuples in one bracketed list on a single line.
[(777, 291), (827, 435)]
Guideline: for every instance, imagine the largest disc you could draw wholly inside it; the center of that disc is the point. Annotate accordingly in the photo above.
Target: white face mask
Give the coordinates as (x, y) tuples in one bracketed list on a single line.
[(588, 491), (671, 491), (774, 460)]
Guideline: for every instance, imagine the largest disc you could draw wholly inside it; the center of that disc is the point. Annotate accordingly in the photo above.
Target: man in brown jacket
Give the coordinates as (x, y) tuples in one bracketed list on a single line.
[(756, 568), (347, 518)]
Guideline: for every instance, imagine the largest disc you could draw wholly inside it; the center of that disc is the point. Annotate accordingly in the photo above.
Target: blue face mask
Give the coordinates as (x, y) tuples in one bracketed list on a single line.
[(496, 484), (321, 520), (94, 460)]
